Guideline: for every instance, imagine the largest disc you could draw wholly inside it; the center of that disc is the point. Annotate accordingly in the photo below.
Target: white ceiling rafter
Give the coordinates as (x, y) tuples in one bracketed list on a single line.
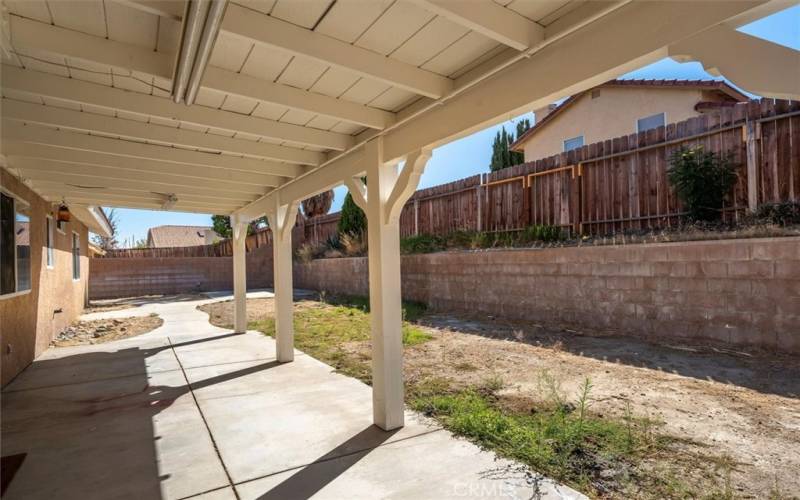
[(74, 45), (604, 48), (81, 174), (136, 188), (271, 32), (70, 89), (43, 137), (489, 19), (73, 156), (109, 125)]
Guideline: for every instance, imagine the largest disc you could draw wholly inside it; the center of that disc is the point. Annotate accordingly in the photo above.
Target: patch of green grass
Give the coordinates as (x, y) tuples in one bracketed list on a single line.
[(322, 331), (561, 440), (558, 443)]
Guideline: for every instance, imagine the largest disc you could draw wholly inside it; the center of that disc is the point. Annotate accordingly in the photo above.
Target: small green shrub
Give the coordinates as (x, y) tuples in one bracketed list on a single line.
[(482, 240), (423, 243), (786, 213), (541, 232), (333, 242), (305, 253), (354, 244), (352, 220), (701, 180)]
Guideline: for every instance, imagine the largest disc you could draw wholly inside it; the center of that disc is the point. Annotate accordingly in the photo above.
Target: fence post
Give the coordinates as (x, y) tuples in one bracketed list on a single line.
[(526, 201), (480, 212), (752, 132), (416, 217), (577, 186)]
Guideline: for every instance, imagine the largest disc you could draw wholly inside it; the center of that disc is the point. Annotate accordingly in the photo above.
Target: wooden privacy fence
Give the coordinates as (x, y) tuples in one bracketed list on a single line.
[(607, 186), (622, 183)]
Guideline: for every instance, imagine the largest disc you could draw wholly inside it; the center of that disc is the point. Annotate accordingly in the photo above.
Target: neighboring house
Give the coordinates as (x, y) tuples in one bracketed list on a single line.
[(620, 107), (181, 236), (44, 269)]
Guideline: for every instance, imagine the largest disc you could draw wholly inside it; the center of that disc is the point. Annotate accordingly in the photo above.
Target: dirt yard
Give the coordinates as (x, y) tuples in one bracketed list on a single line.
[(735, 414), (106, 330)]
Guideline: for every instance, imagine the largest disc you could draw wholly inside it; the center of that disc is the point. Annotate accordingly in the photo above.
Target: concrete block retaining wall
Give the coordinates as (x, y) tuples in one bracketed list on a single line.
[(741, 292), (135, 276)]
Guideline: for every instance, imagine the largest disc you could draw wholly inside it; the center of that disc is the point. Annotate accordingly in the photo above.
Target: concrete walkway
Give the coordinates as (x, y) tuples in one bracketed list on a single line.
[(194, 411)]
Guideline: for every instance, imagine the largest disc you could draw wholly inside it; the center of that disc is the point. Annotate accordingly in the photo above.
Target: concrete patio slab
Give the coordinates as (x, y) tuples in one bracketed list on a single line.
[(190, 412)]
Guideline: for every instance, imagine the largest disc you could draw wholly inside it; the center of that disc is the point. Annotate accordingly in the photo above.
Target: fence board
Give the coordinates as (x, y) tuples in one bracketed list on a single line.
[(617, 184)]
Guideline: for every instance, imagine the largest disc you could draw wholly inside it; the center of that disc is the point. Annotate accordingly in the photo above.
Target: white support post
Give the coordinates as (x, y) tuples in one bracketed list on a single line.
[(239, 227), (281, 221), (384, 195)]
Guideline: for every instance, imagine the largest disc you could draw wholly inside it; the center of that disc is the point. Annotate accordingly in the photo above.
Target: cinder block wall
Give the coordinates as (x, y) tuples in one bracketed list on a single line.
[(740, 292), (130, 277)]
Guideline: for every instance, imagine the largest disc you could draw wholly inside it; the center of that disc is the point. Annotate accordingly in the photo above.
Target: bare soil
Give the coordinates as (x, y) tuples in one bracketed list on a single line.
[(106, 330), (741, 406), (106, 306)]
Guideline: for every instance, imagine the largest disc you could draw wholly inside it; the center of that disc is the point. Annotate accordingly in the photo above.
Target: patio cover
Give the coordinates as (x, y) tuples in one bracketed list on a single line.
[(291, 98)]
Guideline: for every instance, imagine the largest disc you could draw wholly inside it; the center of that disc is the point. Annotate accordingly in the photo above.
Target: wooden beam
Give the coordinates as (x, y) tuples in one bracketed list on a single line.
[(64, 190), (76, 91), (91, 122), (78, 174), (95, 50), (610, 46), (272, 32), (283, 95), (135, 189), (273, 173), (758, 66), (16, 149), (489, 19), (145, 205), (37, 36), (172, 9)]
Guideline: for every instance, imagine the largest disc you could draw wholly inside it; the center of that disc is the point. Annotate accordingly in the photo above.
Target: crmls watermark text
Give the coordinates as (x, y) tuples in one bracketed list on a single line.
[(483, 489)]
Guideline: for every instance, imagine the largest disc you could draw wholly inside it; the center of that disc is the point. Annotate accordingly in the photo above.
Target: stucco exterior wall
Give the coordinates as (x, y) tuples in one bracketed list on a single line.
[(28, 322), (612, 114)]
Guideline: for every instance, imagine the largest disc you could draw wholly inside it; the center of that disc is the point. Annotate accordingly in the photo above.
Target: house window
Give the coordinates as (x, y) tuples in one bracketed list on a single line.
[(649, 122), (76, 256), (15, 247), (49, 237), (574, 143)]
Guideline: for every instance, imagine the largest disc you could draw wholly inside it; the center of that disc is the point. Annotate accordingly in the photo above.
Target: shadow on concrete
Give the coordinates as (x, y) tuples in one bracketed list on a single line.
[(309, 480), (86, 423), (765, 372)]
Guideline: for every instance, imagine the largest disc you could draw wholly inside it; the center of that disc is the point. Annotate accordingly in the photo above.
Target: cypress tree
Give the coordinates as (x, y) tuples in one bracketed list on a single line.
[(502, 156)]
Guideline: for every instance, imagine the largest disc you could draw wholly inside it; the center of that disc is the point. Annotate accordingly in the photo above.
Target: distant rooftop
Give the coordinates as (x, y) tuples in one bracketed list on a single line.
[(719, 85), (180, 236)]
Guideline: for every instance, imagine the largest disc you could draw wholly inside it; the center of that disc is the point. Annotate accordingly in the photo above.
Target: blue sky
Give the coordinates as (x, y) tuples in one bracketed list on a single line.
[(471, 155)]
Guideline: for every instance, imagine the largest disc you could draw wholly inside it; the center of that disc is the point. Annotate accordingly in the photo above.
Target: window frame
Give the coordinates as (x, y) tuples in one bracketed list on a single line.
[(565, 141), (16, 199), (636, 124), (76, 258), (50, 247)]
